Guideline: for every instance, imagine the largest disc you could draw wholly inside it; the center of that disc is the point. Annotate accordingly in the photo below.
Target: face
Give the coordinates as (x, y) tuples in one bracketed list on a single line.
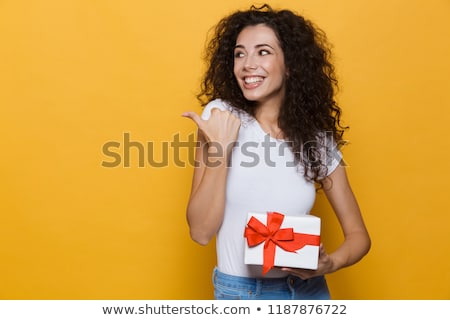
[(259, 65)]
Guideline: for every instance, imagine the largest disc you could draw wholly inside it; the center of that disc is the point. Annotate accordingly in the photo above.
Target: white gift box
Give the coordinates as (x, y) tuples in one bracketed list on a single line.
[(307, 227)]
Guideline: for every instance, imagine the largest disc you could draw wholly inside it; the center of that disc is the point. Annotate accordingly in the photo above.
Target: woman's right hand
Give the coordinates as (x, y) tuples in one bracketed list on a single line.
[(221, 128)]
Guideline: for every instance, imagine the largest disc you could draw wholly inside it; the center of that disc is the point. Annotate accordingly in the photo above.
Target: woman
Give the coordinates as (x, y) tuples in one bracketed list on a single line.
[(264, 145)]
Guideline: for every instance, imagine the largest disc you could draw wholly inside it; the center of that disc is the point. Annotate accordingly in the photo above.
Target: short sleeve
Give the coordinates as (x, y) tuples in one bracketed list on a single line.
[(333, 156), (217, 103)]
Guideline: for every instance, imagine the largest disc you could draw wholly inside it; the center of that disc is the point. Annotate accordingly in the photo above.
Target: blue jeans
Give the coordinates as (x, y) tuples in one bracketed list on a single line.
[(228, 287)]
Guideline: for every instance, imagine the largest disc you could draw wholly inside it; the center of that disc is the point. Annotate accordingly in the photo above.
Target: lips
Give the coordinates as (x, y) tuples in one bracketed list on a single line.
[(251, 82)]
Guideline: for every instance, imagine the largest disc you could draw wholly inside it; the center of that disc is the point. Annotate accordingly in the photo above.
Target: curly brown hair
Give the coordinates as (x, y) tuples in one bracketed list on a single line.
[(309, 109)]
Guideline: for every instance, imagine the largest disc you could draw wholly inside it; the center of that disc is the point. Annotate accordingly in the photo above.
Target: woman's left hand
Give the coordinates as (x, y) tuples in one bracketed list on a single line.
[(325, 266)]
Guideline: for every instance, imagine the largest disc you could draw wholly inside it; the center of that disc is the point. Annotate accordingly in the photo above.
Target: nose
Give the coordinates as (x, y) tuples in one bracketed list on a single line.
[(251, 63)]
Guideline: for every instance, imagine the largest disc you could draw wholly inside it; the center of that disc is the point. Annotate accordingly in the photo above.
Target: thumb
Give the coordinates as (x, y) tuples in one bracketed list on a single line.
[(195, 117)]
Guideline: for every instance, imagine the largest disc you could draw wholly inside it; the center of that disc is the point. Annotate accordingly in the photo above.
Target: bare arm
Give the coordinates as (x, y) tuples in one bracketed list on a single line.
[(207, 200), (356, 242), (356, 238)]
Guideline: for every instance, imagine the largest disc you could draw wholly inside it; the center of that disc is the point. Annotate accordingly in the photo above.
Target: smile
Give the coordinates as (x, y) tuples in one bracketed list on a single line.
[(252, 80)]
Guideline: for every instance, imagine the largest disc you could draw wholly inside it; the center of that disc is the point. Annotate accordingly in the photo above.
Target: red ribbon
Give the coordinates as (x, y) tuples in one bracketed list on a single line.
[(256, 232)]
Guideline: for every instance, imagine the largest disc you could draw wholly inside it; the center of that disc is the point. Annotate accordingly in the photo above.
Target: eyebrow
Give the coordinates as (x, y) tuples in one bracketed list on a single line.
[(238, 46)]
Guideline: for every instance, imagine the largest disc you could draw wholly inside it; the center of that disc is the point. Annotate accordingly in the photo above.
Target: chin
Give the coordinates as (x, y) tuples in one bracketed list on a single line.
[(251, 97)]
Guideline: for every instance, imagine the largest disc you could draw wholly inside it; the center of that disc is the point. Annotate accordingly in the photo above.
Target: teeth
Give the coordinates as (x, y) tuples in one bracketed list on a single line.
[(253, 79)]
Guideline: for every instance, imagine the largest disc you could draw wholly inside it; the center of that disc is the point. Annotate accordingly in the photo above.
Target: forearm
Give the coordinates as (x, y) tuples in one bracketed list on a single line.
[(206, 206)]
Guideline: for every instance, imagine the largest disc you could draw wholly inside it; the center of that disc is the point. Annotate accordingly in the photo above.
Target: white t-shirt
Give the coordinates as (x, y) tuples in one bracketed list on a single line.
[(262, 177)]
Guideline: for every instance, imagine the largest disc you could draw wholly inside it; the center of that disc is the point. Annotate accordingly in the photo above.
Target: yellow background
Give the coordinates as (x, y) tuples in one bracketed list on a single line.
[(76, 74)]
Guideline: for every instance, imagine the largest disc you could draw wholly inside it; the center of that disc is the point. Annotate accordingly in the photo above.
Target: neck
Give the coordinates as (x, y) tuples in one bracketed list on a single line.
[(269, 109), (267, 116)]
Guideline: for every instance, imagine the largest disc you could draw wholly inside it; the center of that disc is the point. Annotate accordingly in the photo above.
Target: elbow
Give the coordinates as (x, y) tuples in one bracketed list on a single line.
[(200, 232), (202, 227), (200, 237), (360, 247), (364, 244), (368, 244)]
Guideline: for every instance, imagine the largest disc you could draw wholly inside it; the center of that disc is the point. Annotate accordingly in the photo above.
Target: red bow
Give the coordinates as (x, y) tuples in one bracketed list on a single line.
[(256, 232)]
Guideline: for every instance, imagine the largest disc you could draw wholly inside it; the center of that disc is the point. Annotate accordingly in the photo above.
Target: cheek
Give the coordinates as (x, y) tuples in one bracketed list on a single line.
[(279, 70), (236, 71)]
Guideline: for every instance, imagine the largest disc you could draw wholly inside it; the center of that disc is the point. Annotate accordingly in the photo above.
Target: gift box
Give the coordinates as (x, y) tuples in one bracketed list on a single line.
[(274, 239)]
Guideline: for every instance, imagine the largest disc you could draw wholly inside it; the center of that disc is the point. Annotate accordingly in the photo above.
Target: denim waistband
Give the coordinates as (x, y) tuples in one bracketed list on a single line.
[(266, 282)]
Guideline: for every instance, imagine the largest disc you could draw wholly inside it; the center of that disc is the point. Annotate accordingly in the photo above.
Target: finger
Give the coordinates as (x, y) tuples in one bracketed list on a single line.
[(216, 110), (322, 251), (195, 117)]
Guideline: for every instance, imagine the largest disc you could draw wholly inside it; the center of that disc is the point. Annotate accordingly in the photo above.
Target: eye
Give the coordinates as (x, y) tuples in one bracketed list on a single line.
[(264, 52), (238, 54)]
